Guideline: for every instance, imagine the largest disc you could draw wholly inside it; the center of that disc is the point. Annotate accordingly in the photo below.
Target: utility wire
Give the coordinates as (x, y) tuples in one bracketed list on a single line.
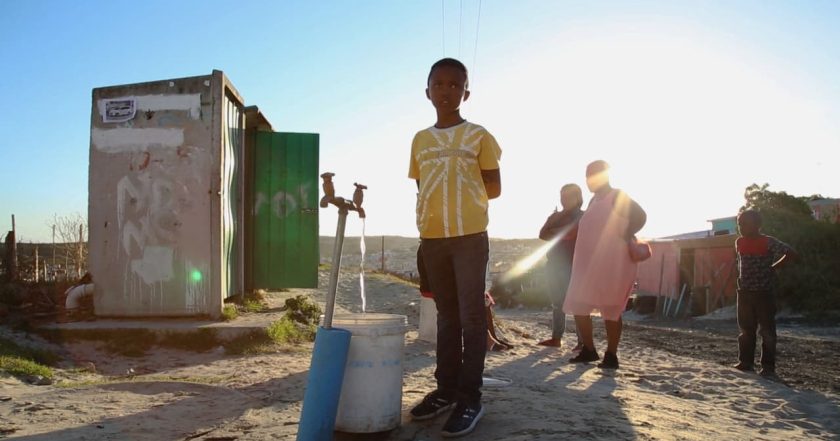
[(475, 49), (460, 27), (443, 27)]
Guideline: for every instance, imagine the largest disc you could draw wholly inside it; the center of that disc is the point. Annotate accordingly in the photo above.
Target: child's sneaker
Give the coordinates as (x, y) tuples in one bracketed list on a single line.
[(768, 372), (610, 361), (462, 420), (741, 366), (432, 405), (585, 356)]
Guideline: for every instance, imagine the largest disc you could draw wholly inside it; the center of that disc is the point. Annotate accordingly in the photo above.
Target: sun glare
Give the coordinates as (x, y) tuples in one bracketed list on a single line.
[(677, 113), (523, 265)]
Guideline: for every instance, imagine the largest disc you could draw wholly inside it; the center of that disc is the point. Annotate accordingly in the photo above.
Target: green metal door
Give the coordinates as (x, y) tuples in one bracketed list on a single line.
[(285, 210)]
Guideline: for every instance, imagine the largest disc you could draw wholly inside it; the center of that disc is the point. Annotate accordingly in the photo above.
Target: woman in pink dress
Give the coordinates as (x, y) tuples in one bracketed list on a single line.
[(602, 271)]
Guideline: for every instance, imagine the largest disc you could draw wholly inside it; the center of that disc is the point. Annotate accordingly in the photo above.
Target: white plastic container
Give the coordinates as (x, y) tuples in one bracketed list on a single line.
[(428, 320), (371, 394)]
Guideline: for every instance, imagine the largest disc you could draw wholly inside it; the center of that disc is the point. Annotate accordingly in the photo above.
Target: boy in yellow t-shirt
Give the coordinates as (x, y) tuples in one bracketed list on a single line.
[(456, 166)]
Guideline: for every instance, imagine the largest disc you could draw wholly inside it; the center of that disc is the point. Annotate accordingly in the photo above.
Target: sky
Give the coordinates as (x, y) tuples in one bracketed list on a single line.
[(690, 102)]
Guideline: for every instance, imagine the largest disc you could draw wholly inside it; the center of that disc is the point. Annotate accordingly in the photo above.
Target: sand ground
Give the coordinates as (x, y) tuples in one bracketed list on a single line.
[(659, 393)]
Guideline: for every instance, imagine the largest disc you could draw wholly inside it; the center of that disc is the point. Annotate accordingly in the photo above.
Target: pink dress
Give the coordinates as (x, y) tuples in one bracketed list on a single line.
[(602, 272)]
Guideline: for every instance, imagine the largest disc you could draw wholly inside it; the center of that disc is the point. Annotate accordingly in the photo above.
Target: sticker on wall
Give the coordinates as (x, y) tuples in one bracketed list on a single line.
[(119, 110)]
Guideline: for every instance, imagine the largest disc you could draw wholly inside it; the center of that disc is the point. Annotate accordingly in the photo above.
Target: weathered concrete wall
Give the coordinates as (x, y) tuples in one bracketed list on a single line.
[(154, 199)]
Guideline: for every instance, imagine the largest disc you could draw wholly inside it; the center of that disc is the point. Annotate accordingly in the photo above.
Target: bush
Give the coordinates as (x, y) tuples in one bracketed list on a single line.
[(253, 306), (229, 312), (10, 348), (22, 367), (302, 310), (22, 361), (288, 331)]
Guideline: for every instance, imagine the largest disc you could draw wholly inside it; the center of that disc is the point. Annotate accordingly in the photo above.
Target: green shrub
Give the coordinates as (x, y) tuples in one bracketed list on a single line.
[(302, 310), (21, 360), (229, 312), (288, 331), (10, 348), (23, 367), (251, 305)]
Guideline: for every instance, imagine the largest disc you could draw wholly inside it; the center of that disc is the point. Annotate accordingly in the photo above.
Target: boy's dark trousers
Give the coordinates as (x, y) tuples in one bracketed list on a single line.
[(757, 311), (558, 273), (456, 270)]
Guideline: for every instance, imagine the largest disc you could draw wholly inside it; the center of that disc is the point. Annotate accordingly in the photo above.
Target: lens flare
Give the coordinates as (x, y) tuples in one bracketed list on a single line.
[(526, 263), (195, 275)]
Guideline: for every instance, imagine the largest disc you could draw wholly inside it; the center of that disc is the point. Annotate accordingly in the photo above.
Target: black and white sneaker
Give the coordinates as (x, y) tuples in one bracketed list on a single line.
[(462, 420), (432, 405), (585, 356)]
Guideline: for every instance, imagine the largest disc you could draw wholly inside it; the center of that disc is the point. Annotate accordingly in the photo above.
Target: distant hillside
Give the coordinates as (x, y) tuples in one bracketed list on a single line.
[(401, 252)]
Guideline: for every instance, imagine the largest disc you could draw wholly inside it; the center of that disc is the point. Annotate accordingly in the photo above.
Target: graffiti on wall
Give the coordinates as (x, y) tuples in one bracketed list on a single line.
[(150, 200), (283, 203), (146, 215)]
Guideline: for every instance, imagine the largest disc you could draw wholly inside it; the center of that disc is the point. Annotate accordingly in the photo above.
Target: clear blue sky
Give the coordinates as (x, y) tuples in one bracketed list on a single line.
[(690, 101)]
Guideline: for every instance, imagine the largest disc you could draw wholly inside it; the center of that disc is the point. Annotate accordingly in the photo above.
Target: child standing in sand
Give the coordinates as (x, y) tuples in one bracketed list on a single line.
[(759, 256), (456, 166), (561, 227)]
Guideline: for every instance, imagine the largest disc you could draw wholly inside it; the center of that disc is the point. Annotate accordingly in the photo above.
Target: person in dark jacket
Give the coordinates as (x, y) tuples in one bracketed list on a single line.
[(561, 228)]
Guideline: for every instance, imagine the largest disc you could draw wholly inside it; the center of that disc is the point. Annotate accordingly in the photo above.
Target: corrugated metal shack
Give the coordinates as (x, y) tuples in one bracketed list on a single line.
[(700, 270)]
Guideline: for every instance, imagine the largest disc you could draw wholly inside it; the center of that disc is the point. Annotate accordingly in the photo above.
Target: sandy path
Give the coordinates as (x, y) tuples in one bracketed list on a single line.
[(211, 396)]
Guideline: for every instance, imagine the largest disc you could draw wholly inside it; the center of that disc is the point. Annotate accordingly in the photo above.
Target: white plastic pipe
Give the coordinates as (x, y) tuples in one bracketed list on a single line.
[(75, 294)]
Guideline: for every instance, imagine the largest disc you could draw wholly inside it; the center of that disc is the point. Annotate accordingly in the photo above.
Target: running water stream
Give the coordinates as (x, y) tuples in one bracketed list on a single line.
[(362, 267)]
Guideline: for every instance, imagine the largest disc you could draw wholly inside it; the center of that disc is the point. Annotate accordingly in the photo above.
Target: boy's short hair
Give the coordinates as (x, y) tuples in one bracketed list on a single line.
[(571, 187), (595, 167), (574, 189), (750, 214), (450, 62)]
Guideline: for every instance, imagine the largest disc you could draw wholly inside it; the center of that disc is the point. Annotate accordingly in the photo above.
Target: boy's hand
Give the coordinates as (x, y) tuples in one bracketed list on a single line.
[(492, 183)]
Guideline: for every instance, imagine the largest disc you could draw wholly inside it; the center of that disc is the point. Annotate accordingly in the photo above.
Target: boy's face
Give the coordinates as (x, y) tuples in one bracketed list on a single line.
[(748, 226), (568, 199), (447, 88), (596, 180)]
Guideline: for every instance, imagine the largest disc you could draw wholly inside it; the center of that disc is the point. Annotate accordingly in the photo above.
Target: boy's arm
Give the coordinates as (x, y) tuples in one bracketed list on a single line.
[(789, 255), (492, 183), (549, 229), (786, 260)]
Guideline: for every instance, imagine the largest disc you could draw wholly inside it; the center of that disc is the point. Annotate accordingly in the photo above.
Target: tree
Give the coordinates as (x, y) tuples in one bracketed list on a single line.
[(813, 284), (71, 232)]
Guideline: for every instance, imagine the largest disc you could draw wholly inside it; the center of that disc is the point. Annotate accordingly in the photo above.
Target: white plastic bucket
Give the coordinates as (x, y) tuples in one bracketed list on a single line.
[(371, 394), (428, 320)]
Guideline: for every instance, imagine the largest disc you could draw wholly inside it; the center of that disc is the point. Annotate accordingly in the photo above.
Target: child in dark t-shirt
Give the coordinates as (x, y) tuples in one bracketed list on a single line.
[(759, 256)]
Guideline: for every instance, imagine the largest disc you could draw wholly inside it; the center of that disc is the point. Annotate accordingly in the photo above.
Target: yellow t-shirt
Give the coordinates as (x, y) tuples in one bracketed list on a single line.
[(452, 200)]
